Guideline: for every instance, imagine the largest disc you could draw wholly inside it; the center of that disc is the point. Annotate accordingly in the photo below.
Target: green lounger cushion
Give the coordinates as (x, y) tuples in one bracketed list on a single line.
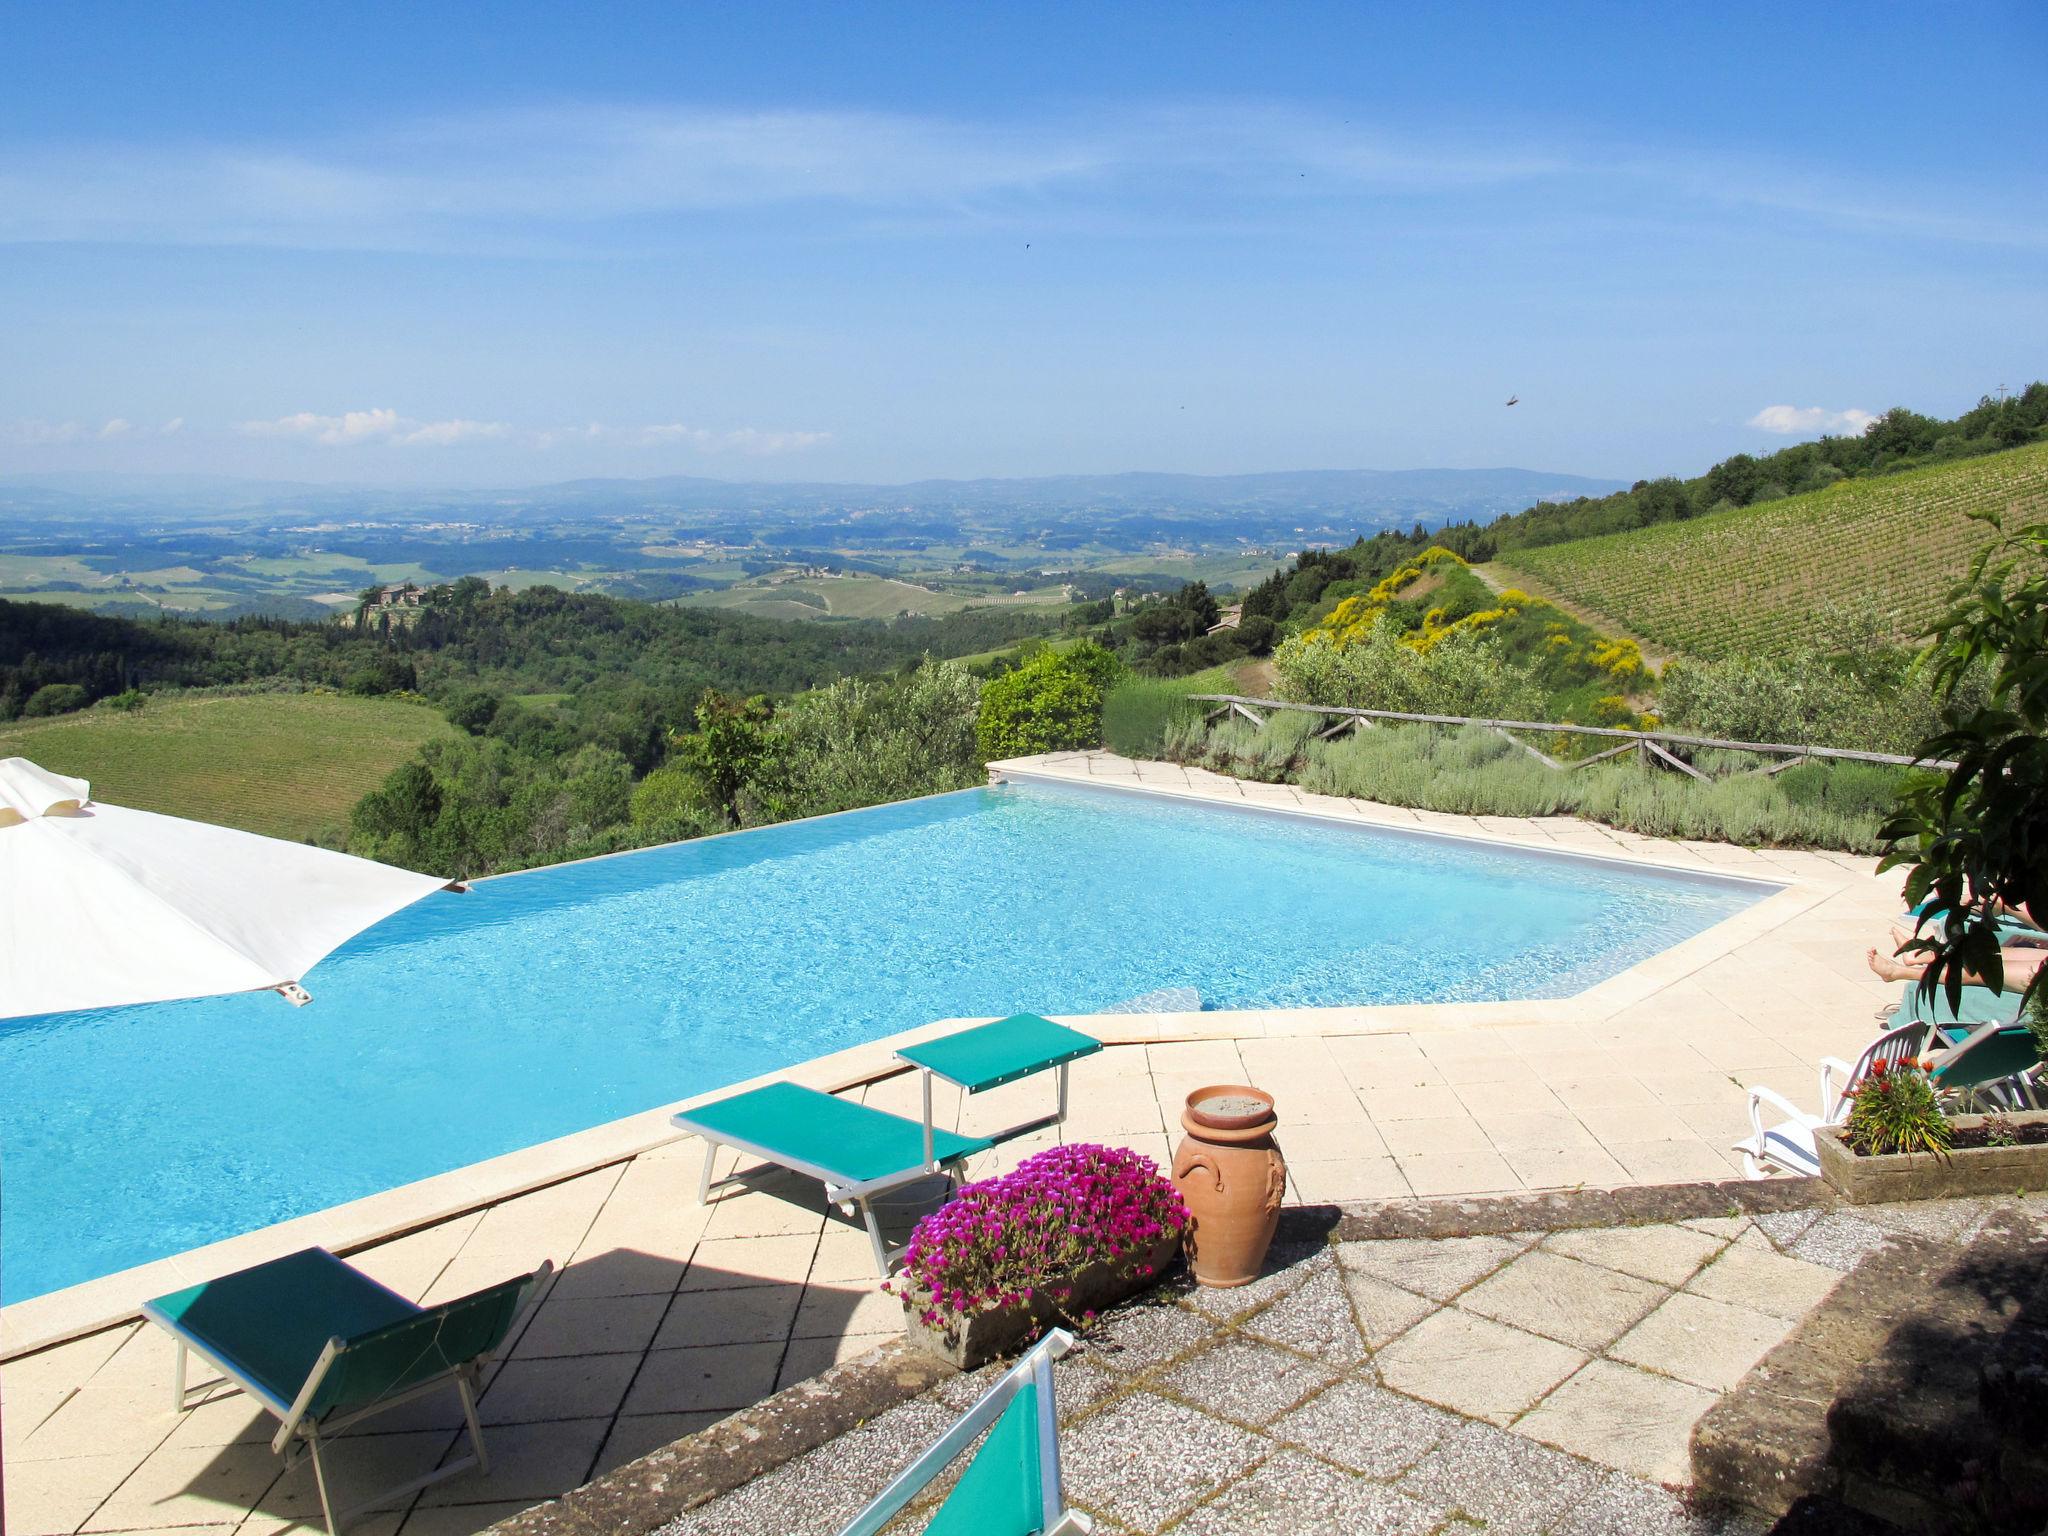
[(2005, 1053), (853, 1143), (420, 1349), (989, 1055), (2010, 929), (1980, 1005), (1001, 1493), (268, 1324)]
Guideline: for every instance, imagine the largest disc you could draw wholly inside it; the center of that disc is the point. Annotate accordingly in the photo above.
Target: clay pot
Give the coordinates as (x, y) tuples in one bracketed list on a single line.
[(1232, 1176)]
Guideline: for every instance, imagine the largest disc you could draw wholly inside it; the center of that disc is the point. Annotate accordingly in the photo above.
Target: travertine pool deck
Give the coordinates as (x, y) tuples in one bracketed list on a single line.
[(668, 1316)]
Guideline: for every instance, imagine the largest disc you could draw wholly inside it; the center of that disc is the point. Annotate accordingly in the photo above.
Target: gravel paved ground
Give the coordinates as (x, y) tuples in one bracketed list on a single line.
[(1527, 1384)]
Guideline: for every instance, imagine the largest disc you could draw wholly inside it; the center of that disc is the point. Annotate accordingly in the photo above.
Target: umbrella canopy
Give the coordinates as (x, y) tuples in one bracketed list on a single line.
[(101, 905)]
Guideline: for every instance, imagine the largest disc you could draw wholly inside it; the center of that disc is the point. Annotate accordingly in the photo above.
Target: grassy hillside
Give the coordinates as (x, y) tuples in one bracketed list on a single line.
[(1760, 579), (288, 764)]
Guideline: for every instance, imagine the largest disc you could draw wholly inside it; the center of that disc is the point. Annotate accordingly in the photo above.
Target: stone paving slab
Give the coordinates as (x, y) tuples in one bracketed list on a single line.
[(1187, 1425)]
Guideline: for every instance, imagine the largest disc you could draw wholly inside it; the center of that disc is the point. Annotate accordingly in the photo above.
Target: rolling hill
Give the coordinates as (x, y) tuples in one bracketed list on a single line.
[(1763, 578)]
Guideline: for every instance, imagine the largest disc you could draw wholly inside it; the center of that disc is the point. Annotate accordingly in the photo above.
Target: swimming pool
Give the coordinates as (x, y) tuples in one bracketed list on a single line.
[(544, 1003)]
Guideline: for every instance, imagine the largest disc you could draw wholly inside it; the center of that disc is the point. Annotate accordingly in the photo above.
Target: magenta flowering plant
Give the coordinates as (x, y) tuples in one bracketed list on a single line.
[(1019, 1239)]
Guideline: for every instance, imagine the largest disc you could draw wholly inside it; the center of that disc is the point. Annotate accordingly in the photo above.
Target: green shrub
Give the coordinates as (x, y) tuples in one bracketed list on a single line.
[(54, 699), (1476, 772), (128, 701), (1138, 712), (473, 710), (1052, 703), (671, 803), (863, 742), (385, 674), (1894, 1110), (1865, 698), (1465, 673)]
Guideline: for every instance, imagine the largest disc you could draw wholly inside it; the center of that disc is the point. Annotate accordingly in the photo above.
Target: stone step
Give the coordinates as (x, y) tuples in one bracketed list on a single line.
[(1916, 1393)]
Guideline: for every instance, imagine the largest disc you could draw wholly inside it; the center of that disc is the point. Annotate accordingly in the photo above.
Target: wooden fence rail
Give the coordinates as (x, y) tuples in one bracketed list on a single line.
[(1650, 745)]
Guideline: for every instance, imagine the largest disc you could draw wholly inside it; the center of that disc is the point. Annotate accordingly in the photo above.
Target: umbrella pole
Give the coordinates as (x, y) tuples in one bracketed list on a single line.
[(3, 1390)]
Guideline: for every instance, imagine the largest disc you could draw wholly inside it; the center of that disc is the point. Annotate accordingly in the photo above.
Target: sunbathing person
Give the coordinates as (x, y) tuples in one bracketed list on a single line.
[(2010, 937), (2020, 966)]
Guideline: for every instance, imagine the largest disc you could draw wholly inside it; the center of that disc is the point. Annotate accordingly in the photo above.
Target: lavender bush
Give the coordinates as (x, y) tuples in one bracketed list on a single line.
[(1020, 1239)]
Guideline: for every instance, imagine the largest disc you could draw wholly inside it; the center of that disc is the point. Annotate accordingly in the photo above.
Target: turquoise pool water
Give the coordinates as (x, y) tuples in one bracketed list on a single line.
[(544, 1003)]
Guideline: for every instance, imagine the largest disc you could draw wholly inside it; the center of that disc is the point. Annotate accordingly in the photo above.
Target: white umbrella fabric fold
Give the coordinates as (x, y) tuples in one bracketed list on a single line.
[(101, 905)]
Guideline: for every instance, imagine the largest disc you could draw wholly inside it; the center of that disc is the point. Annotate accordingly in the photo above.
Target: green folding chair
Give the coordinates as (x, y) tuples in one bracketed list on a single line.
[(855, 1151), (1011, 1487), (1989, 1064), (323, 1346)]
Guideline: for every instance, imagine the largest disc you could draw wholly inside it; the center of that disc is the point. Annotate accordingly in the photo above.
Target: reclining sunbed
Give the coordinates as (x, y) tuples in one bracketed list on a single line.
[(858, 1152), (322, 1346)]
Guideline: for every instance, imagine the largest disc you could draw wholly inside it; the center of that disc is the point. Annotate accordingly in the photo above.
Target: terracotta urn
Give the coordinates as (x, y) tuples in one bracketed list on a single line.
[(1230, 1172)]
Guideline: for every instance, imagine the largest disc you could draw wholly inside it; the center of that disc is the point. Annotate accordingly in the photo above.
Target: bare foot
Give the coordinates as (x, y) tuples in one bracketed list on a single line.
[(1892, 969)]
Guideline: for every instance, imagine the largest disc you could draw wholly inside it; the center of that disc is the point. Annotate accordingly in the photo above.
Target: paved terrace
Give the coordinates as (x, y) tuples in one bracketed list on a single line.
[(1518, 1382), (668, 1317)]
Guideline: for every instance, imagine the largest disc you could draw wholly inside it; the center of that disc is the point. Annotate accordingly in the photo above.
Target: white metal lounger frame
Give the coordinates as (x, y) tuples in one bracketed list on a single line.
[(1036, 1366), (1894, 1047), (841, 1191), (299, 1434), (1011, 1133)]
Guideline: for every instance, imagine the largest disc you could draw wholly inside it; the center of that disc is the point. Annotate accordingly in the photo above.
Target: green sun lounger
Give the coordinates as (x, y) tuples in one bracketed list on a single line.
[(1980, 1005), (989, 1055), (1011, 1487), (323, 1346), (856, 1152), (1991, 1062)]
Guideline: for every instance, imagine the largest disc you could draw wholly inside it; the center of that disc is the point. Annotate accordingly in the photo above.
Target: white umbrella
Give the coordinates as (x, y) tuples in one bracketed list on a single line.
[(101, 905)]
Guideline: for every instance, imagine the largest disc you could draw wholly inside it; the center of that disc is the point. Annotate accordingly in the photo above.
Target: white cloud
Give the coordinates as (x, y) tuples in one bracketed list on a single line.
[(444, 433), (755, 441), (378, 425), (38, 433), (597, 174), (557, 174), (1796, 420), (748, 440)]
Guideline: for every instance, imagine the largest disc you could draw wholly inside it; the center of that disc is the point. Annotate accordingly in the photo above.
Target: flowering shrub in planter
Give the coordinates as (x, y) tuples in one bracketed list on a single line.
[(1072, 1230), (1894, 1110)]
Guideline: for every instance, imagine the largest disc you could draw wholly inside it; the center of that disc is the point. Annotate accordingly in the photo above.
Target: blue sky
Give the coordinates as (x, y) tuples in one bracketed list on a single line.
[(505, 244)]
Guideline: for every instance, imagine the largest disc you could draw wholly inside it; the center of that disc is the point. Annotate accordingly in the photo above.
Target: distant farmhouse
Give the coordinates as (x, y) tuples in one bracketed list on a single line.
[(382, 607)]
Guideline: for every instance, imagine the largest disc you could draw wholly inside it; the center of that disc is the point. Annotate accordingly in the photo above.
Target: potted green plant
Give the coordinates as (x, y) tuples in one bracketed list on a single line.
[(1897, 1144), (1071, 1231), (1893, 1110)]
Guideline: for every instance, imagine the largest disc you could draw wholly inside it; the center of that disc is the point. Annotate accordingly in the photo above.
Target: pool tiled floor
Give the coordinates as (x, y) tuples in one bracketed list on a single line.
[(666, 1316)]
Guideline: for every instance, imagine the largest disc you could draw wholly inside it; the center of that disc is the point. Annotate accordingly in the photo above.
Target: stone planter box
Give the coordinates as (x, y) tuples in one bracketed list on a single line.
[(983, 1337), (1925, 1176)]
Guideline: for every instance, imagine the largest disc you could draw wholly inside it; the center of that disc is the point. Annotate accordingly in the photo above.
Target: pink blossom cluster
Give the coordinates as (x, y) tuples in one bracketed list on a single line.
[(1010, 1240)]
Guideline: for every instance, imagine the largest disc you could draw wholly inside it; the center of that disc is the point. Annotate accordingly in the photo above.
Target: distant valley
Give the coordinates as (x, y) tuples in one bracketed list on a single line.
[(219, 547)]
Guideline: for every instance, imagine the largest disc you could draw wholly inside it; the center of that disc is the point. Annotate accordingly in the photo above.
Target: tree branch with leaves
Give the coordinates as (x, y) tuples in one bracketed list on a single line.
[(1975, 840)]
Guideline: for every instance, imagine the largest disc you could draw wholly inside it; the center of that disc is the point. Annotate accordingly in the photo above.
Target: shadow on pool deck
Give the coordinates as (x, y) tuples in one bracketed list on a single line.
[(628, 1349)]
